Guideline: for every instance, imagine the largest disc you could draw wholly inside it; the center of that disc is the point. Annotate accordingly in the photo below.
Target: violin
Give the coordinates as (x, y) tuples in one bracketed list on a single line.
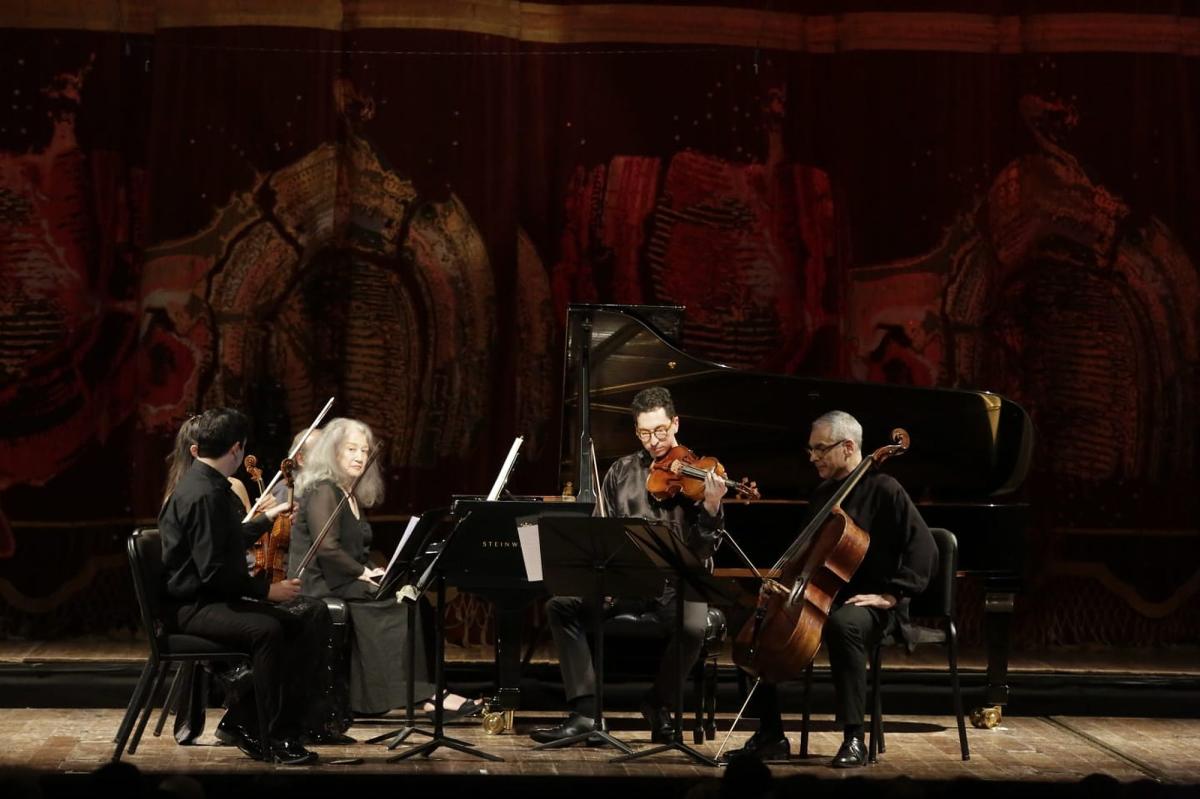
[(681, 471)]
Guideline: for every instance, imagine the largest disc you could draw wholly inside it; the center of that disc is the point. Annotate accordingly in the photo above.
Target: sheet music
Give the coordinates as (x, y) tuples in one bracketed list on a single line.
[(412, 525), (502, 478), (531, 550)]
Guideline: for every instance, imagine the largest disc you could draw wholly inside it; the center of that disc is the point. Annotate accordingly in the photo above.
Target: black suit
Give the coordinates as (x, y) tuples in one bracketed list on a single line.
[(208, 592)]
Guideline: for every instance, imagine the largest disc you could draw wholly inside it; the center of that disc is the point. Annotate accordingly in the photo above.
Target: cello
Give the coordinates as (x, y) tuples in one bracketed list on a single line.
[(782, 637)]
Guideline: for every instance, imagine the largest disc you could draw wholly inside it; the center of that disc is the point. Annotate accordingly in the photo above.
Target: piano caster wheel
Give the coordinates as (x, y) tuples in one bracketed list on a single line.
[(986, 718), (497, 721)]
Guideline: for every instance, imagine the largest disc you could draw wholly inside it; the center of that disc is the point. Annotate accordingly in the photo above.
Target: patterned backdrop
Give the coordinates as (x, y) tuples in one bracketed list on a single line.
[(392, 203)]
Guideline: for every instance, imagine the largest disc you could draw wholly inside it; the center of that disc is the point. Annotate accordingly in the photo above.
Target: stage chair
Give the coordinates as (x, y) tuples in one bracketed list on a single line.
[(627, 626), (166, 649), (936, 604)]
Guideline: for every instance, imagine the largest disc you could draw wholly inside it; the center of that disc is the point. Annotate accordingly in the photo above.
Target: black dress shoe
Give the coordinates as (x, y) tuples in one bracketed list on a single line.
[(574, 725), (290, 752), (235, 734), (659, 719), (763, 746), (328, 739), (852, 754)]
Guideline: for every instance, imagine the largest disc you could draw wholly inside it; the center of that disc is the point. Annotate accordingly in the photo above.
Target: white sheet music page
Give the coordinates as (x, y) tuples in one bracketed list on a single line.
[(531, 550), (412, 525), (502, 478)]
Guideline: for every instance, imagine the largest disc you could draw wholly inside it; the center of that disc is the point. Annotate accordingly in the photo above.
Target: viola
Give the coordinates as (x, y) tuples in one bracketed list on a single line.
[(681, 471), (271, 549), (779, 641)]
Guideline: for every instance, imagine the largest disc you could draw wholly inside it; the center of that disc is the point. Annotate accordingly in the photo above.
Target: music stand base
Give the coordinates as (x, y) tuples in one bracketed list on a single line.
[(428, 748), (610, 740), (400, 735), (674, 746)]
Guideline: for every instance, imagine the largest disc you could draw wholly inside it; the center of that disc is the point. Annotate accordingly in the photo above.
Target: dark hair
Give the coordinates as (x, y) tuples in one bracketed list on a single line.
[(180, 458), (648, 399), (218, 429)]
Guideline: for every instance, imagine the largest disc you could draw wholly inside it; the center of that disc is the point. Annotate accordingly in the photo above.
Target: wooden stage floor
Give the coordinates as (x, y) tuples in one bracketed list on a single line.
[(1037, 753), (1042, 751)]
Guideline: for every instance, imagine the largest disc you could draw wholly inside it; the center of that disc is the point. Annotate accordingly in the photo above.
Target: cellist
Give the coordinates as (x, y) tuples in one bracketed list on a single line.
[(899, 563)]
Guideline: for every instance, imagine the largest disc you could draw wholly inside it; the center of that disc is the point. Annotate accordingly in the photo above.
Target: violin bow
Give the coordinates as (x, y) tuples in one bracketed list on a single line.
[(291, 455), (316, 544)]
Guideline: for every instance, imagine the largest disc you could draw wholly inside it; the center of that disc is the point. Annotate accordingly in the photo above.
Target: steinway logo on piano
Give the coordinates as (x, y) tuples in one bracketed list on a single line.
[(496, 544)]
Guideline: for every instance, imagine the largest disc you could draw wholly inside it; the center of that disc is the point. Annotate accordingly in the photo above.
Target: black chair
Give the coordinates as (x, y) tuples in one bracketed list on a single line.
[(166, 649), (627, 626), (935, 604), (339, 648)]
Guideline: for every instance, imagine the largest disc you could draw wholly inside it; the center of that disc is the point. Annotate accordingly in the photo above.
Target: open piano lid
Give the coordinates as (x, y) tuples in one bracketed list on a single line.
[(967, 446)]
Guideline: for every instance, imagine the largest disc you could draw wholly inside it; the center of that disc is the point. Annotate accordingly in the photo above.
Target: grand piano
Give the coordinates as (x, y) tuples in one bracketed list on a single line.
[(969, 457)]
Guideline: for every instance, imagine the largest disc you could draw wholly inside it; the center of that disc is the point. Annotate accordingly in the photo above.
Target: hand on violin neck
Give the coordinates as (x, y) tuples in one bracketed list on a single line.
[(714, 489), (881, 601)]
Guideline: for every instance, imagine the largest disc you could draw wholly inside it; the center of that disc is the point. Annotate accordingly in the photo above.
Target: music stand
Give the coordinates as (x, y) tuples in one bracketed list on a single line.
[(576, 551), (408, 550), (660, 544)]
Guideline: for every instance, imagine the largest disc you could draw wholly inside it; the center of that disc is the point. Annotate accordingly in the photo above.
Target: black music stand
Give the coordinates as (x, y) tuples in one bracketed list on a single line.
[(661, 545), (600, 550), (403, 562)]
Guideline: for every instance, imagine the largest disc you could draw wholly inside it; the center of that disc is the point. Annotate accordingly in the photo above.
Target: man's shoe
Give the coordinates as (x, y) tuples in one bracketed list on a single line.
[(852, 754), (659, 719), (237, 735), (574, 725), (763, 746), (290, 752), (328, 739)]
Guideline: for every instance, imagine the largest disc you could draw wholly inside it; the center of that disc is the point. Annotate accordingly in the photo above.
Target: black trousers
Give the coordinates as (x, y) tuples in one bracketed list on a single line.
[(572, 617), (849, 636), (285, 648)]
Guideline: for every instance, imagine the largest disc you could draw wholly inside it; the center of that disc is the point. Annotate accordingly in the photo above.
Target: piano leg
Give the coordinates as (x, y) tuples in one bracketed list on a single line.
[(997, 625), (509, 621)]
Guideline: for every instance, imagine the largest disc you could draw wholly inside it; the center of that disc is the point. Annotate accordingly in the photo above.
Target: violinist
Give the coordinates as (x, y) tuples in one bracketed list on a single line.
[(900, 560), (697, 523), (208, 593)]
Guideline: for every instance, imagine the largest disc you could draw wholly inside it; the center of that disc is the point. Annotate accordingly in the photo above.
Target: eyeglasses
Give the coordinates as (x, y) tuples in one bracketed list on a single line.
[(820, 450), (661, 432)]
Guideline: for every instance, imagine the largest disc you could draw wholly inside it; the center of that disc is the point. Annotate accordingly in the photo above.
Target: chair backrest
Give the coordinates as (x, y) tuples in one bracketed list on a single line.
[(938, 598), (145, 562)]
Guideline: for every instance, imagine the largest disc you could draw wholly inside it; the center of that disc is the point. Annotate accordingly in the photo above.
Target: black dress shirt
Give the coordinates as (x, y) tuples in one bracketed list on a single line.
[(625, 494), (205, 542), (902, 555)]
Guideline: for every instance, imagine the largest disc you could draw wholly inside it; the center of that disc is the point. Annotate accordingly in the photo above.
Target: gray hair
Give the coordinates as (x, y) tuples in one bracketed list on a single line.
[(842, 426), (322, 462)]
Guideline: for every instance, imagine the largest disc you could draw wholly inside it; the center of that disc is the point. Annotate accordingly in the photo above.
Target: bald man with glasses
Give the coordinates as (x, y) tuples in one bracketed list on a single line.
[(698, 524), (900, 560)]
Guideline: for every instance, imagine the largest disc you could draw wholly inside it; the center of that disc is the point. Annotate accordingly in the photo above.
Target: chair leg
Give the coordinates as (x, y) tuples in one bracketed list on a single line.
[(710, 698), (131, 712), (168, 707), (698, 688), (952, 656), (877, 744), (806, 709), (148, 706)]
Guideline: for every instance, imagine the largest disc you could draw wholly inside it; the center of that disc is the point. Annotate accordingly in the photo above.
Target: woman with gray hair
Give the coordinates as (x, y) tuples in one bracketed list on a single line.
[(342, 567)]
